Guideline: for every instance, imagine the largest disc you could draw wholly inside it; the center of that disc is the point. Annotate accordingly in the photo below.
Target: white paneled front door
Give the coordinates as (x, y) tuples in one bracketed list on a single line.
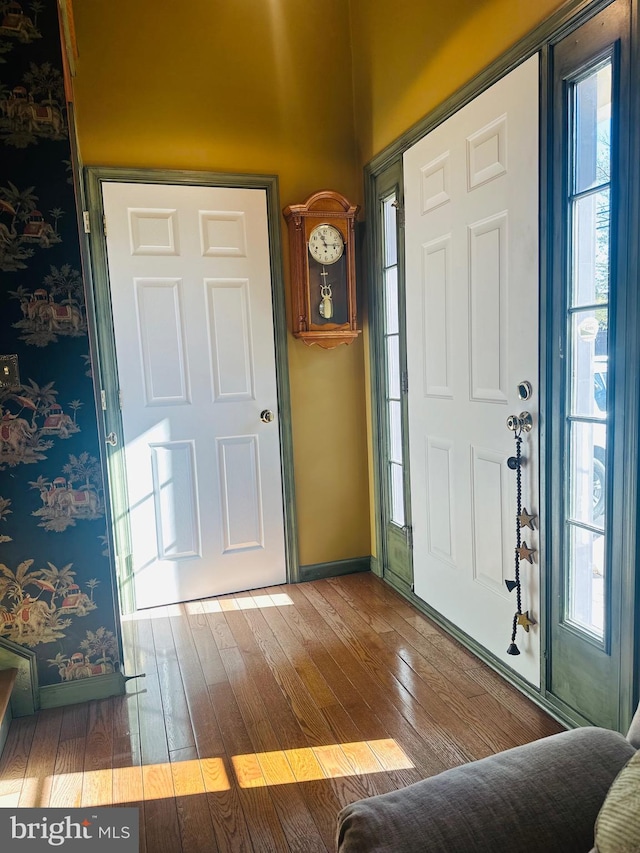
[(471, 201), (190, 278)]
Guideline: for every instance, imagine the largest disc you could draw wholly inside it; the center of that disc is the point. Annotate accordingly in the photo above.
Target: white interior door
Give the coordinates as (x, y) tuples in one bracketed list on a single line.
[(471, 201), (190, 280)]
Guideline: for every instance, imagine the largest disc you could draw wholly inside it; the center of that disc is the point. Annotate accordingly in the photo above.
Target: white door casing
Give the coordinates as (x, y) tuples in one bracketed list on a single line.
[(471, 238), (190, 280)]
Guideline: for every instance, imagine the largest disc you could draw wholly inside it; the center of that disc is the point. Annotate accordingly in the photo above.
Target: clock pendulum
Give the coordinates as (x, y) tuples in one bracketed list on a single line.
[(326, 301)]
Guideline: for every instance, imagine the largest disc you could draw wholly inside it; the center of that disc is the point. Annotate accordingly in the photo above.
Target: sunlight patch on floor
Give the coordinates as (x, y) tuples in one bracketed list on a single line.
[(211, 605), (246, 602), (282, 767), (121, 785)]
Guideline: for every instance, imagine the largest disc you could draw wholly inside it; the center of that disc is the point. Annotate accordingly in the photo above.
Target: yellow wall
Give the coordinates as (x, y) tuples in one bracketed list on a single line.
[(411, 55), (267, 86), (246, 86)]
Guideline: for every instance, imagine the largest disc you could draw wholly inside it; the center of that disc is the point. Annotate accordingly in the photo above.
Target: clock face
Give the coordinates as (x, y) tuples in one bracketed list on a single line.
[(326, 244)]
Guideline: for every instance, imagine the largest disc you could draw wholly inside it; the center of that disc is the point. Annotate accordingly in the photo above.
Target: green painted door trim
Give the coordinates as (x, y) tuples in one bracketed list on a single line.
[(101, 322), (387, 540)]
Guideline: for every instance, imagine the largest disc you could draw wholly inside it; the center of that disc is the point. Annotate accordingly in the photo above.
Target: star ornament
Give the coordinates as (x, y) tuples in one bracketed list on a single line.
[(526, 553), (526, 520), (525, 621)]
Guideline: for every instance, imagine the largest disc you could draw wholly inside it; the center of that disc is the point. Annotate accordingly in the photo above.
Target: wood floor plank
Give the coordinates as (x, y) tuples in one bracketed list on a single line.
[(246, 774), (309, 716), (296, 820), (194, 817), (97, 785), (389, 674), (207, 737), (160, 817), (262, 713), (440, 714), (290, 737), (177, 722), (206, 646), (36, 789), (128, 788), (15, 758), (385, 720), (67, 783), (397, 617)]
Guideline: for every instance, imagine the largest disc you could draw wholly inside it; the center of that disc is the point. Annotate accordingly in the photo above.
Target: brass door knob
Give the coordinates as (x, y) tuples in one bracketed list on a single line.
[(266, 416)]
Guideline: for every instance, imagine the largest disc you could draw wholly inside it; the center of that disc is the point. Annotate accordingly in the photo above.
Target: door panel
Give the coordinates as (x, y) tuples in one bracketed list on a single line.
[(471, 236), (189, 271)]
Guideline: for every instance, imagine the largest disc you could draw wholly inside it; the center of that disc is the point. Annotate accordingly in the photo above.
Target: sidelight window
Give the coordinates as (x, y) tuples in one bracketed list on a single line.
[(393, 384), (587, 346)]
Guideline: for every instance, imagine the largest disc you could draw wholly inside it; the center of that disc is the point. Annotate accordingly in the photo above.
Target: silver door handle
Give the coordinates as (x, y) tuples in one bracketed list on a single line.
[(266, 416), (111, 439), (520, 423)]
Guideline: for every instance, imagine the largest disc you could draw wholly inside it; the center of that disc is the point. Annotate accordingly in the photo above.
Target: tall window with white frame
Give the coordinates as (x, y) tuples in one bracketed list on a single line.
[(393, 384), (587, 346)]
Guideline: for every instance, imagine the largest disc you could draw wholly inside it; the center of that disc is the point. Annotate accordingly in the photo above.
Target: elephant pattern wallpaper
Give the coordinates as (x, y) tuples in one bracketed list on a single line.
[(56, 589)]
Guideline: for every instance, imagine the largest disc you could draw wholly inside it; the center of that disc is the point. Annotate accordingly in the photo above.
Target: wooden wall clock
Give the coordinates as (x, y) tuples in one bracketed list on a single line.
[(323, 269)]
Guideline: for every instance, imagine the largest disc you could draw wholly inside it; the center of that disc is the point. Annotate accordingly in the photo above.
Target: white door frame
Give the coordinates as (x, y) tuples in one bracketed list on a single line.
[(104, 362)]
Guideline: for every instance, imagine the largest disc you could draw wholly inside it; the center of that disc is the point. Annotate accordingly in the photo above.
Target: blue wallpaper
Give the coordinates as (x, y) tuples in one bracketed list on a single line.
[(56, 593)]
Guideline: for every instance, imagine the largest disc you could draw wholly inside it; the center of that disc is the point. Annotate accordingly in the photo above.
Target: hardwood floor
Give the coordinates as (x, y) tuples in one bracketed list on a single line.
[(262, 714)]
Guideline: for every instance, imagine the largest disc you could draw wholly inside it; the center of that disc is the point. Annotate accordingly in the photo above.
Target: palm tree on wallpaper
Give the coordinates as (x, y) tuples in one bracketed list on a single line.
[(60, 579), (36, 7), (83, 467), (55, 213), (42, 483), (65, 280), (91, 584), (15, 583), (74, 405), (22, 201), (102, 642), (43, 397), (46, 80)]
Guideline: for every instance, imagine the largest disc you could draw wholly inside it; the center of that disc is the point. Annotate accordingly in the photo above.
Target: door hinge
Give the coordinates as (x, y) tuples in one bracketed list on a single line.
[(86, 222), (103, 400), (120, 398), (408, 535), (104, 224), (404, 382)]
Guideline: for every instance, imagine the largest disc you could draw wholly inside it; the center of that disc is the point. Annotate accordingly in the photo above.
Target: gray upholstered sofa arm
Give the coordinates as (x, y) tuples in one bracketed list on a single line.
[(542, 797)]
